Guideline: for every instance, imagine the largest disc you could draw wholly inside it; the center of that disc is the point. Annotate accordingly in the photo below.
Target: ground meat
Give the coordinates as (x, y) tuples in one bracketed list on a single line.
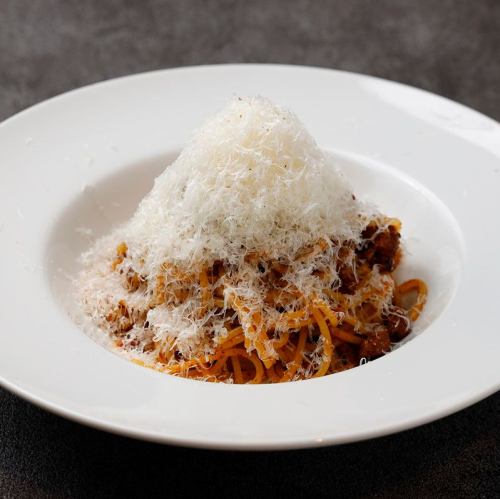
[(346, 356), (348, 279), (347, 276), (215, 271), (397, 322), (376, 344), (380, 249), (369, 230), (149, 347)]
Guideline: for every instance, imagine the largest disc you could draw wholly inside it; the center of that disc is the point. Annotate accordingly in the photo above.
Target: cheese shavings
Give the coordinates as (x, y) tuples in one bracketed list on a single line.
[(252, 177)]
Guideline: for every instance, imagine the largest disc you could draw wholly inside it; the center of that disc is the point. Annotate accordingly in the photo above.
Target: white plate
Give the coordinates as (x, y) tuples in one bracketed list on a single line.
[(85, 159)]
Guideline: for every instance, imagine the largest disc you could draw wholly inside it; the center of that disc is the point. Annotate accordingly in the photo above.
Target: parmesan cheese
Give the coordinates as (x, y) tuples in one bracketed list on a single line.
[(251, 177)]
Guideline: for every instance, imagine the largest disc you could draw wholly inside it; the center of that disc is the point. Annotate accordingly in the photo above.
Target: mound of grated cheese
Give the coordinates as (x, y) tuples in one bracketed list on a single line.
[(251, 177), (251, 180)]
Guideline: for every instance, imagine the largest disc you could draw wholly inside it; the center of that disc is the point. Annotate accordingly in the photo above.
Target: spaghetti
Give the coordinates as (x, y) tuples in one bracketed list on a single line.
[(357, 315)]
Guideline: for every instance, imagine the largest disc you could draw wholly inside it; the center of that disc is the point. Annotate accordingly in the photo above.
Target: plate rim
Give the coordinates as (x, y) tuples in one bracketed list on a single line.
[(254, 446), (109, 81)]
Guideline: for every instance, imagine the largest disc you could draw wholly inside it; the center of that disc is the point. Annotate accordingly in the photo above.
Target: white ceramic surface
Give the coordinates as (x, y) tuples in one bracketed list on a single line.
[(84, 159)]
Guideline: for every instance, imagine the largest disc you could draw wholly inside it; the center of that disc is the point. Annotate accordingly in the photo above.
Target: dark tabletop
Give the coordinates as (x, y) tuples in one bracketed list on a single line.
[(449, 47)]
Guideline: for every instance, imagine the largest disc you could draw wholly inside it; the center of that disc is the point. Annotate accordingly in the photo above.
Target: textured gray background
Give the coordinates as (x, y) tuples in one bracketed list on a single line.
[(450, 47)]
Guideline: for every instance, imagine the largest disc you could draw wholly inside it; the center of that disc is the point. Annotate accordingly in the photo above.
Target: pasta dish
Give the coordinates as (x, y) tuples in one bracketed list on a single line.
[(251, 261)]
